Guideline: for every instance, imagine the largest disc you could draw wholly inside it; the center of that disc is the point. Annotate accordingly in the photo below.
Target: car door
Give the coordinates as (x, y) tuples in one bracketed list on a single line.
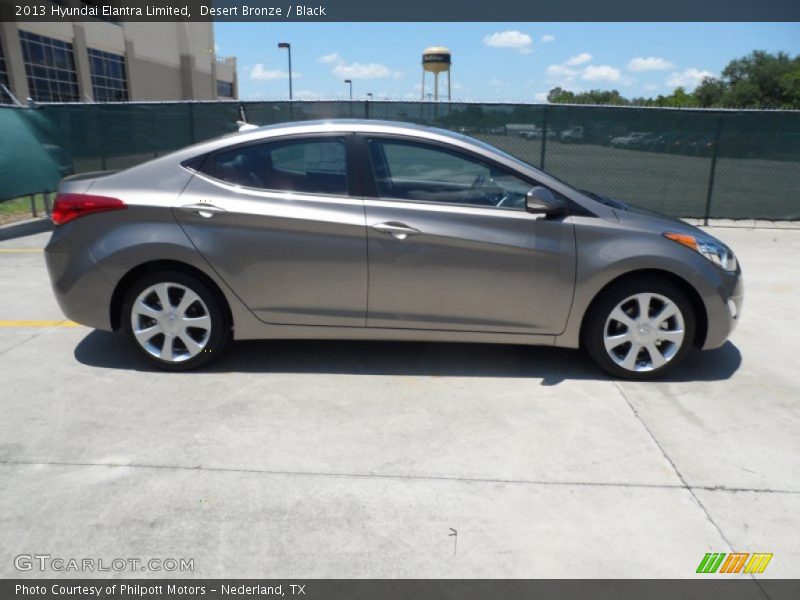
[(451, 246), (278, 222)]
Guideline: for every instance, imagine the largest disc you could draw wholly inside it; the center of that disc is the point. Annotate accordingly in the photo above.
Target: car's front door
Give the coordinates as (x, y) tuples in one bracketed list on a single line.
[(277, 220), (451, 246)]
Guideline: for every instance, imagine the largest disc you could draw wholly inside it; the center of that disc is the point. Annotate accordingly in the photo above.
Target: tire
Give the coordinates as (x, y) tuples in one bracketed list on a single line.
[(615, 328), (196, 327)]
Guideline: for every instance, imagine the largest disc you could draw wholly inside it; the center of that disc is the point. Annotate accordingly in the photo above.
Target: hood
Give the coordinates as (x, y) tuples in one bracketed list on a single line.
[(642, 218)]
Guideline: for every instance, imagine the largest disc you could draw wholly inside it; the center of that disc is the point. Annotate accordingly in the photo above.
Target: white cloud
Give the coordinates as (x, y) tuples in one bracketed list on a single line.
[(547, 38), (540, 97), (579, 59), (649, 87), (688, 78), (651, 63), (509, 39), (259, 73), (560, 74), (330, 58), (601, 73), (560, 71), (362, 71)]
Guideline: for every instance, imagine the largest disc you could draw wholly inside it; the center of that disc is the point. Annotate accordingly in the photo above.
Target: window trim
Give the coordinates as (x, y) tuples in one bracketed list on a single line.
[(370, 184), (354, 188)]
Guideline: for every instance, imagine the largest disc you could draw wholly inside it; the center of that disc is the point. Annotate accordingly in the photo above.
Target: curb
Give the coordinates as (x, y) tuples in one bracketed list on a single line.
[(745, 223), (23, 228)]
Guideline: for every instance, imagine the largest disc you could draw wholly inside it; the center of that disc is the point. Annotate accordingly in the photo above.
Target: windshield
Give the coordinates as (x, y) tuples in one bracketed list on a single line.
[(516, 160)]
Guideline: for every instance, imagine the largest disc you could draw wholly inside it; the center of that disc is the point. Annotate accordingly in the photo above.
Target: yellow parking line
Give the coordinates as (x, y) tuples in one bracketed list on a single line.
[(19, 250), (24, 323)]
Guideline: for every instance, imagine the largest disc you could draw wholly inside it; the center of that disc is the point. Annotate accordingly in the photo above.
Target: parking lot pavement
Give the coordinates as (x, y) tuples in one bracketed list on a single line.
[(318, 459)]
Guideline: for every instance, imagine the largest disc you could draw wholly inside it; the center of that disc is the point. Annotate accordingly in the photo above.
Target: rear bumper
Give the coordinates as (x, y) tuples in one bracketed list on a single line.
[(723, 308), (82, 289)]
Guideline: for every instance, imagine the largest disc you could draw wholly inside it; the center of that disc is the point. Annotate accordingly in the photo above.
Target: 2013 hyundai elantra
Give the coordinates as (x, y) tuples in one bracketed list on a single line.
[(380, 231)]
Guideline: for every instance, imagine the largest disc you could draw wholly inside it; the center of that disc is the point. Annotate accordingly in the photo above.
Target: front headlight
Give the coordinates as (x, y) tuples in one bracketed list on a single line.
[(717, 252)]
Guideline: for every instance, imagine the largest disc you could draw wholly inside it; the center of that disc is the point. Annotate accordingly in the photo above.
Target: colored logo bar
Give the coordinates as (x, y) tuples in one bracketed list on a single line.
[(735, 562)]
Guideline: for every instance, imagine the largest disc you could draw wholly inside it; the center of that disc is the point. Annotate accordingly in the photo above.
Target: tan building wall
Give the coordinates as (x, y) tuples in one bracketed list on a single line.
[(163, 61)]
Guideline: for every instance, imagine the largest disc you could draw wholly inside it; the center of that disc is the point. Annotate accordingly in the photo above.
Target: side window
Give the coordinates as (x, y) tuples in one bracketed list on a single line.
[(425, 173), (314, 166)]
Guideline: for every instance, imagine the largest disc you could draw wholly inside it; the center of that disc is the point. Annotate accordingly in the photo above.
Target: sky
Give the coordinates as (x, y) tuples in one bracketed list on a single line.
[(506, 62)]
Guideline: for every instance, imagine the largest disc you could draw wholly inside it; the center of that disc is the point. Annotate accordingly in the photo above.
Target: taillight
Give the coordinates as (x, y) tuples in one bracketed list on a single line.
[(71, 206)]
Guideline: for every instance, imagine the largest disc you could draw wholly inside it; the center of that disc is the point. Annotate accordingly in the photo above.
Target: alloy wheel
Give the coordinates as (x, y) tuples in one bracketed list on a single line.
[(644, 332), (170, 322)]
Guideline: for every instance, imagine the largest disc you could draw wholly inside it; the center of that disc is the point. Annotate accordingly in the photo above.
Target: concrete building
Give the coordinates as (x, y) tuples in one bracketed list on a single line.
[(106, 61)]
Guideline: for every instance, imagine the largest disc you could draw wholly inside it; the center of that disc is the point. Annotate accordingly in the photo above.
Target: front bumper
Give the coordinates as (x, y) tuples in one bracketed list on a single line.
[(723, 308)]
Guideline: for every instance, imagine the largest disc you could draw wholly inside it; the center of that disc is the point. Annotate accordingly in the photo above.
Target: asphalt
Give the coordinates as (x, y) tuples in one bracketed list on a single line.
[(344, 459)]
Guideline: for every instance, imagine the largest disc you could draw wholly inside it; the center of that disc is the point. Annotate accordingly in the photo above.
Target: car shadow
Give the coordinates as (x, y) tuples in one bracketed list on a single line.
[(551, 365)]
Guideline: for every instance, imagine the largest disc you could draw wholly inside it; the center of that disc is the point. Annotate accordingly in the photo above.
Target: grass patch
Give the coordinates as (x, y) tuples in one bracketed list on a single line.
[(19, 209)]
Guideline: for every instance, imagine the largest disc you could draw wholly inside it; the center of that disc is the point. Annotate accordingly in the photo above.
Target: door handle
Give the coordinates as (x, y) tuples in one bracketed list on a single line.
[(399, 230), (202, 209)]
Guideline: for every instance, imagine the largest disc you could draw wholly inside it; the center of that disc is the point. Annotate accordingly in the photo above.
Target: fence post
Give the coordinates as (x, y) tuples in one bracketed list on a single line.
[(544, 137), (46, 200), (33, 205), (191, 123), (713, 171), (366, 109)]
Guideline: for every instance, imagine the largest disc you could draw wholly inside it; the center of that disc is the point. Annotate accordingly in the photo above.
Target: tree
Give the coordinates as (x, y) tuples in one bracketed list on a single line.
[(758, 80), (710, 92), (762, 80), (560, 96)]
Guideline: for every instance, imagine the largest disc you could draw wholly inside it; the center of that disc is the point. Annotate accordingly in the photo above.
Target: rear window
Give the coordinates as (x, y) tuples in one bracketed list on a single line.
[(314, 166)]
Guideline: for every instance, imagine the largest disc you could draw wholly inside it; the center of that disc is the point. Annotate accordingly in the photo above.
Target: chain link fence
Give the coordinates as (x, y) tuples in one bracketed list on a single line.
[(687, 163)]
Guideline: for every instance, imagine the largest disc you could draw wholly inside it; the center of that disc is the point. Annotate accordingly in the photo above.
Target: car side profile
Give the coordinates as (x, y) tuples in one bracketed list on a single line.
[(370, 230)]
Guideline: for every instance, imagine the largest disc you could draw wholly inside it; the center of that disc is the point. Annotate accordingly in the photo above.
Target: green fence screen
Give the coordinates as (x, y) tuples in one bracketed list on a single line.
[(688, 163)]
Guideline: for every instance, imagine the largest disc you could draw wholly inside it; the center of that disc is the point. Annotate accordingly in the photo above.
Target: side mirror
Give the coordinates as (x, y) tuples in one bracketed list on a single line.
[(540, 200)]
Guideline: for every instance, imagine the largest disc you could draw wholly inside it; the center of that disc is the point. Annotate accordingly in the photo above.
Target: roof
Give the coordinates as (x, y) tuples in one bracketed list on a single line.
[(357, 125)]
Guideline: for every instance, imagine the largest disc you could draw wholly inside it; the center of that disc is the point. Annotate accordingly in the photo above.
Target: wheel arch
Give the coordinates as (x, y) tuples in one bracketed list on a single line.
[(153, 266), (699, 308)]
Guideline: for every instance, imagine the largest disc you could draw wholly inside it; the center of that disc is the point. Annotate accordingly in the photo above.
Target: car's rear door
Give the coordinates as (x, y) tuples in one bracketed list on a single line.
[(281, 222), (451, 246)]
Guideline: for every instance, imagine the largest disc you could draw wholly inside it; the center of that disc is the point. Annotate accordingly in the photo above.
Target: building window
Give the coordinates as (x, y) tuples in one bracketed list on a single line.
[(109, 83), (4, 97), (50, 67), (3, 71), (224, 89)]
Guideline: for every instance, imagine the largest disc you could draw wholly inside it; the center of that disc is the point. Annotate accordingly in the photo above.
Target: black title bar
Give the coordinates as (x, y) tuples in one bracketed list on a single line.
[(370, 589), (406, 11)]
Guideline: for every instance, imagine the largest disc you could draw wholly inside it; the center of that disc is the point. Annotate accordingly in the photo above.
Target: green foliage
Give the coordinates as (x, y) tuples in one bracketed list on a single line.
[(561, 96), (758, 80)]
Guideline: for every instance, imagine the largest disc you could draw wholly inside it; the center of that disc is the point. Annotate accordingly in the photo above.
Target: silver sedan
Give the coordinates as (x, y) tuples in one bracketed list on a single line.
[(380, 231)]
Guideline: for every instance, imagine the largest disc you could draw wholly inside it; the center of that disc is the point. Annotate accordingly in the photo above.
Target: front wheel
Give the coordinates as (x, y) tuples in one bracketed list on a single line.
[(640, 329), (175, 320)]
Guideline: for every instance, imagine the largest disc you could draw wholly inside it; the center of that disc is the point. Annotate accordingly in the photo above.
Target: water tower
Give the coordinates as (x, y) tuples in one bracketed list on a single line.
[(436, 59)]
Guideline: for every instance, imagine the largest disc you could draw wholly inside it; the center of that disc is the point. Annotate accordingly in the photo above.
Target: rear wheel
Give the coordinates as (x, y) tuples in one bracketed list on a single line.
[(175, 320), (640, 329)]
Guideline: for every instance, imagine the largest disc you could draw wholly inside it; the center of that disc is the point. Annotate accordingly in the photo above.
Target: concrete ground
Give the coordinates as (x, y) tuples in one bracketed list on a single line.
[(326, 459)]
